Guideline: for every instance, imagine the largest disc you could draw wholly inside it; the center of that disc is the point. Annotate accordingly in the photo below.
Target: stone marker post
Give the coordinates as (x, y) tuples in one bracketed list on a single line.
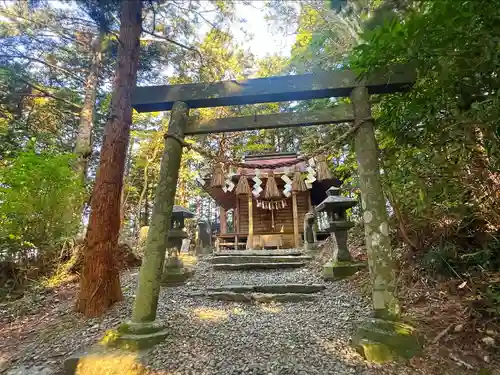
[(148, 290), (310, 231), (204, 234)]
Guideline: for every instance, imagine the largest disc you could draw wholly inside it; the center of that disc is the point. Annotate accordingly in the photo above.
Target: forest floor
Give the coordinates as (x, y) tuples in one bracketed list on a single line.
[(212, 337)]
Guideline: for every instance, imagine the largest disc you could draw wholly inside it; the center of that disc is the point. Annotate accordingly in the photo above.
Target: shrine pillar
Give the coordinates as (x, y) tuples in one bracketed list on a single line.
[(250, 222), (222, 220)]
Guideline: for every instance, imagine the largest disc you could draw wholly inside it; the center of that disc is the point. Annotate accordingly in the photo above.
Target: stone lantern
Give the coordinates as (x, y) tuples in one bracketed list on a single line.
[(174, 272), (335, 206), (176, 233)]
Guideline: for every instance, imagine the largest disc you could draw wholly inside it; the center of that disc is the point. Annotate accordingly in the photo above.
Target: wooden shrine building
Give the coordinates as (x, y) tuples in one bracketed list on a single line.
[(258, 222)]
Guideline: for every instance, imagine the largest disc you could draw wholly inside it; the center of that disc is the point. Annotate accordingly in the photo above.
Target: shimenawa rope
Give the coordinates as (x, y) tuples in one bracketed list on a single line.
[(320, 150)]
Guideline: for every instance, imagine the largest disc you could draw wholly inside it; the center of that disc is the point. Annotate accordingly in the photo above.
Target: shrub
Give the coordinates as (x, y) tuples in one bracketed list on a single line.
[(40, 206)]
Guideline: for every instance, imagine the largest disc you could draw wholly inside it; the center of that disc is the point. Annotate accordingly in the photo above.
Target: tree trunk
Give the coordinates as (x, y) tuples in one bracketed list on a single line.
[(100, 282), (181, 191), (146, 206), (144, 191), (378, 243), (141, 219), (83, 145), (125, 193), (402, 222)]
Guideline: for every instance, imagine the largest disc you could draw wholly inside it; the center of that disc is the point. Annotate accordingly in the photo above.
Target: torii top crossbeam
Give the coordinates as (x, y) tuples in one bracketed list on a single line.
[(317, 85)]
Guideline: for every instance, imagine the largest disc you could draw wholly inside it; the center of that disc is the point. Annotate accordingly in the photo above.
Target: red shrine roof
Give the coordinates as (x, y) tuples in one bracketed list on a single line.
[(269, 159), (228, 199)]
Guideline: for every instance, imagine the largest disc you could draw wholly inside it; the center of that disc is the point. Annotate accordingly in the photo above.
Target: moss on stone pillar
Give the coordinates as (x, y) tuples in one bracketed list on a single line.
[(380, 340), (380, 255), (148, 290)]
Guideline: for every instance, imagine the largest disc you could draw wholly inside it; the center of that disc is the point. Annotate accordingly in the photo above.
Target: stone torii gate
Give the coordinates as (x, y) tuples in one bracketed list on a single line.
[(342, 83)]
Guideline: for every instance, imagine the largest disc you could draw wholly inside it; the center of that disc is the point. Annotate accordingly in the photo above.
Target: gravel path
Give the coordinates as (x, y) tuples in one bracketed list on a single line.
[(213, 337), (208, 337)]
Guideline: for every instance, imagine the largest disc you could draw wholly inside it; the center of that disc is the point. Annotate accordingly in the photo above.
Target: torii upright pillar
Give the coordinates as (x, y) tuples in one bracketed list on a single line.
[(398, 339), (143, 323), (378, 243)]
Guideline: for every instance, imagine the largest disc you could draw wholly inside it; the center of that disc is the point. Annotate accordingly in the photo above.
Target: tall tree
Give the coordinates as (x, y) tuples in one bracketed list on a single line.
[(46, 67), (100, 282), (439, 142), (83, 144)]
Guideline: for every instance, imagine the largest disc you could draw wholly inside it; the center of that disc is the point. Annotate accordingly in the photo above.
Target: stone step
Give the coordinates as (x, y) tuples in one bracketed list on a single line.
[(269, 288), (259, 297), (254, 266), (258, 252), (229, 259)]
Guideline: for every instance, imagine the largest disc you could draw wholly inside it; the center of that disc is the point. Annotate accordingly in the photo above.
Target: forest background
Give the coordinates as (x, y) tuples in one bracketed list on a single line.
[(439, 149)]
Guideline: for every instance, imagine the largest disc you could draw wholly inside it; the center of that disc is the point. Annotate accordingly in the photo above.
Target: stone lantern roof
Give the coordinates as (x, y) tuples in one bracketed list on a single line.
[(183, 212)]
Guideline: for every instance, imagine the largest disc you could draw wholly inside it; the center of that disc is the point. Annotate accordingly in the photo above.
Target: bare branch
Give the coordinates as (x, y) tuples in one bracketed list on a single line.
[(159, 38), (199, 13)]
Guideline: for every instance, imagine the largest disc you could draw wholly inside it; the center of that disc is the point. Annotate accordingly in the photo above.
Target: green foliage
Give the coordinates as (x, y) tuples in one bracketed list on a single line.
[(40, 200), (492, 298), (438, 142), (439, 153), (451, 260), (440, 259)]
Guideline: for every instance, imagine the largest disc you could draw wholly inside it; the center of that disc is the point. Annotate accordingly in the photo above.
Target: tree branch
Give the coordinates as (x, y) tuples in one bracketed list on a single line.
[(15, 18), (21, 56), (48, 94), (159, 38), (199, 13)]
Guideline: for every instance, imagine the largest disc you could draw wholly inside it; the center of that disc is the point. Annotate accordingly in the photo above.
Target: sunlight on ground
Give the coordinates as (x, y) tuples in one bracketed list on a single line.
[(188, 260), (58, 279), (115, 363), (271, 308), (341, 349), (62, 274), (215, 315), (238, 311)]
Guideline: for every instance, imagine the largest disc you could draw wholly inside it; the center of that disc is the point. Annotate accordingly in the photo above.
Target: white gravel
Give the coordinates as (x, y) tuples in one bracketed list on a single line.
[(213, 337), (223, 338)]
